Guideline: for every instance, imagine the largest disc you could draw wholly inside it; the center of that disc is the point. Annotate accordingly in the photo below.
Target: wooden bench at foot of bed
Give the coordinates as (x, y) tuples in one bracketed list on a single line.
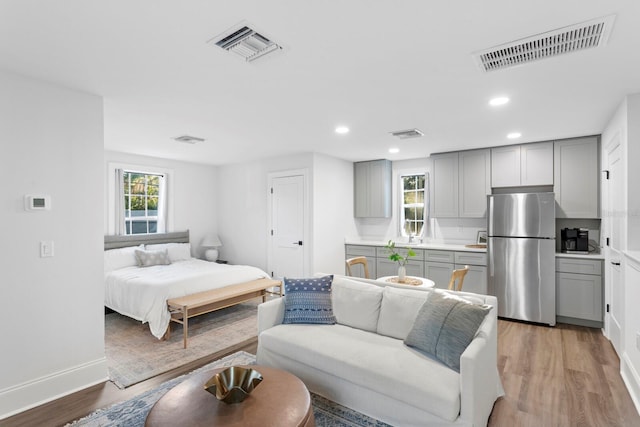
[(183, 308)]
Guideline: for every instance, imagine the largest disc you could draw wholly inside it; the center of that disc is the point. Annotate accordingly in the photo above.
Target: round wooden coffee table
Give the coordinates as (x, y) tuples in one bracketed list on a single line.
[(280, 400)]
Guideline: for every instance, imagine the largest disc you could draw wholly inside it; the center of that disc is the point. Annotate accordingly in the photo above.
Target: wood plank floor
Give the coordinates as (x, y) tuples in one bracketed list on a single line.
[(561, 376)]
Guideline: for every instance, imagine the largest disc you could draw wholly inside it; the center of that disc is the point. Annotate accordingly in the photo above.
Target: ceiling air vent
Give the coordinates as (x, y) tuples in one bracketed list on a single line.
[(409, 133), (245, 42), (576, 37), (188, 139)]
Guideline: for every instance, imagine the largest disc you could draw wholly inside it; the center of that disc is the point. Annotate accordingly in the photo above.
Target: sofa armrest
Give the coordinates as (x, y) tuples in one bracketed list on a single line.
[(480, 383), (270, 314)]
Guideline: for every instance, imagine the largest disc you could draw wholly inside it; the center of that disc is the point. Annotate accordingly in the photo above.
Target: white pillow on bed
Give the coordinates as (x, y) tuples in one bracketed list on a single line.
[(115, 259), (177, 251)]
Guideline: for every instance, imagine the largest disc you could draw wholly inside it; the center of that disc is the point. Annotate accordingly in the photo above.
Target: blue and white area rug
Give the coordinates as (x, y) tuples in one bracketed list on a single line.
[(133, 412)]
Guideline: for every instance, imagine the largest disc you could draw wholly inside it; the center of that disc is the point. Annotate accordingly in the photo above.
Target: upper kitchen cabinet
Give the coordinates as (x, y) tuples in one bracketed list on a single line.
[(444, 185), (460, 183), (372, 189), (474, 183), (576, 175), (522, 165)]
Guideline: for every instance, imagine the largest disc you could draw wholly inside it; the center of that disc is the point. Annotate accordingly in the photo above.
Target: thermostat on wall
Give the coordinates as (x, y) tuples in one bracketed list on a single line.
[(37, 203)]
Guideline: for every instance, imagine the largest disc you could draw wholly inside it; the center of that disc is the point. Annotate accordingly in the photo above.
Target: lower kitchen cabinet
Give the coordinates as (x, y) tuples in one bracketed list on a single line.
[(434, 264), (439, 272), (579, 292), (369, 252)]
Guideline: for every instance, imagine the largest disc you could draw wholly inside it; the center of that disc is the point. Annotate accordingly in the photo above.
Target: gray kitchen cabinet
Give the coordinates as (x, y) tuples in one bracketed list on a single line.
[(522, 165), (372, 189), (386, 267), (444, 185), (576, 177), (476, 278), (439, 272), (579, 291), (438, 266), (460, 182), (474, 183), (369, 252)]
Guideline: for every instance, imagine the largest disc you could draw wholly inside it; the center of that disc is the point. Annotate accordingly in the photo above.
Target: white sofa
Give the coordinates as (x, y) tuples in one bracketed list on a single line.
[(362, 363)]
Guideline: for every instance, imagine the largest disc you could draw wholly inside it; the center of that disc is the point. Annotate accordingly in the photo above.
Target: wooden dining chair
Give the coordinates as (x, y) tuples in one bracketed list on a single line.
[(459, 276), (357, 260)]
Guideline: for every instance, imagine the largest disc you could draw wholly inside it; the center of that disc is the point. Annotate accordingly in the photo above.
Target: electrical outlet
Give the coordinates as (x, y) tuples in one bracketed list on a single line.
[(46, 248)]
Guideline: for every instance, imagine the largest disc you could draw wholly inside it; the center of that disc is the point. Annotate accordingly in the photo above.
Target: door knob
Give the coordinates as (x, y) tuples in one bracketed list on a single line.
[(299, 243)]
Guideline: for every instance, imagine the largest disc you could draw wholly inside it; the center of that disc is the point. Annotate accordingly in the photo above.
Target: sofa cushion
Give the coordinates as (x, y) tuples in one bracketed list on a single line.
[(398, 310), (445, 326), (356, 304), (372, 361), (308, 300)]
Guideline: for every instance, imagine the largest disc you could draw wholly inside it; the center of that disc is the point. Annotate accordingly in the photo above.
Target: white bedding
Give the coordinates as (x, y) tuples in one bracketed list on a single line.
[(142, 292)]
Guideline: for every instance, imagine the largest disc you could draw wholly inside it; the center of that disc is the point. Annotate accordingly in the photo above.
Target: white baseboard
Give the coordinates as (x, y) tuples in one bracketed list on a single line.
[(19, 398), (631, 379)]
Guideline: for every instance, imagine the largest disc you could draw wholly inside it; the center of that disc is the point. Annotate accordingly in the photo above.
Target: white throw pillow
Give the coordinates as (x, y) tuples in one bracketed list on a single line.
[(151, 258), (177, 251), (115, 259), (398, 311), (356, 304)]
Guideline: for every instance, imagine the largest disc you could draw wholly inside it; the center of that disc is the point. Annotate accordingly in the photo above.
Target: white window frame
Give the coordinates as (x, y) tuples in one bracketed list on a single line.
[(401, 205), (146, 218), (110, 217)]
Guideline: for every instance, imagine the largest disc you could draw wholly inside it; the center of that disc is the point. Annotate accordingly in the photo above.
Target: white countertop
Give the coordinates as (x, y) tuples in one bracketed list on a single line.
[(592, 255), (462, 248), (436, 246)]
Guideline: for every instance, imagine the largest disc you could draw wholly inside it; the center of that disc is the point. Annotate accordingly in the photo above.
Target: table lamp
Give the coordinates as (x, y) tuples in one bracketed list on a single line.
[(211, 242)]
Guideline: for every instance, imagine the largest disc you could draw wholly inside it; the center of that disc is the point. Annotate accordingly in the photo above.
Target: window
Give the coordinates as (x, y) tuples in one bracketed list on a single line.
[(412, 209), (142, 201)]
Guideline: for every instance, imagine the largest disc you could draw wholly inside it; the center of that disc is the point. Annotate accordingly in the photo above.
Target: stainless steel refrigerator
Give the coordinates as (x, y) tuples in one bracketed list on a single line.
[(521, 255)]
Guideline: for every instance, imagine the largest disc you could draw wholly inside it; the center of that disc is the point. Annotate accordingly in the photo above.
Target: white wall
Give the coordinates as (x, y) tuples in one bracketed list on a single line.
[(192, 193), (332, 212), (52, 308), (242, 206)]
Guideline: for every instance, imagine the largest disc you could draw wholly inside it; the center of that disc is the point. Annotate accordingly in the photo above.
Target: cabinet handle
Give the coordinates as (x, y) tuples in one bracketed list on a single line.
[(615, 263)]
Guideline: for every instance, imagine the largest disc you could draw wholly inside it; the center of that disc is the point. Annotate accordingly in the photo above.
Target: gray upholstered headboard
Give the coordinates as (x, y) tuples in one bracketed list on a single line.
[(114, 242)]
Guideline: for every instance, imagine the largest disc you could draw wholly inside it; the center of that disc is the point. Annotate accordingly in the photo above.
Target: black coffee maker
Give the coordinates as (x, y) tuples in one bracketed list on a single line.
[(575, 240)]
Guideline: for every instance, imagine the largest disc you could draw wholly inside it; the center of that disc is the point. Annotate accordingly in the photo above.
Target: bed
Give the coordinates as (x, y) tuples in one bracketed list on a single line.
[(169, 274)]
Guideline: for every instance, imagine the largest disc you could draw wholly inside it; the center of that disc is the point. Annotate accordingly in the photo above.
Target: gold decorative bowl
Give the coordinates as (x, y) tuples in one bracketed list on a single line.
[(234, 384)]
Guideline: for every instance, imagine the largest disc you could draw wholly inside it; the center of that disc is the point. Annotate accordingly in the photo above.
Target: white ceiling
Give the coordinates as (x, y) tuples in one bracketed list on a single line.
[(374, 65)]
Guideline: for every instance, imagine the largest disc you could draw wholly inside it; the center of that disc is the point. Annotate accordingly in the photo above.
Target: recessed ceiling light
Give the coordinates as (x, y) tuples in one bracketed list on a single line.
[(514, 135), (394, 150), (342, 130), (500, 100)]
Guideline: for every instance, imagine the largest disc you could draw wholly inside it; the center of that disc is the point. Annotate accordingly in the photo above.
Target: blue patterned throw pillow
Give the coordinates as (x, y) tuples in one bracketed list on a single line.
[(308, 301)]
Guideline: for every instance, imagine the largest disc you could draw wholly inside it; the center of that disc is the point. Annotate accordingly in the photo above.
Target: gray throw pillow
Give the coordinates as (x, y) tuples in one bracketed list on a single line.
[(445, 326), (149, 258)]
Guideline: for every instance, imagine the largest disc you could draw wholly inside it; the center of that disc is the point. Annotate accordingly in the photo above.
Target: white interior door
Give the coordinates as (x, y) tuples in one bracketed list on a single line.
[(287, 249), (614, 204)]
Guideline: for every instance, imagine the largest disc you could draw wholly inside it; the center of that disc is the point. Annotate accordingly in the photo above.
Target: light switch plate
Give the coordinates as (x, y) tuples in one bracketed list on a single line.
[(46, 248)]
